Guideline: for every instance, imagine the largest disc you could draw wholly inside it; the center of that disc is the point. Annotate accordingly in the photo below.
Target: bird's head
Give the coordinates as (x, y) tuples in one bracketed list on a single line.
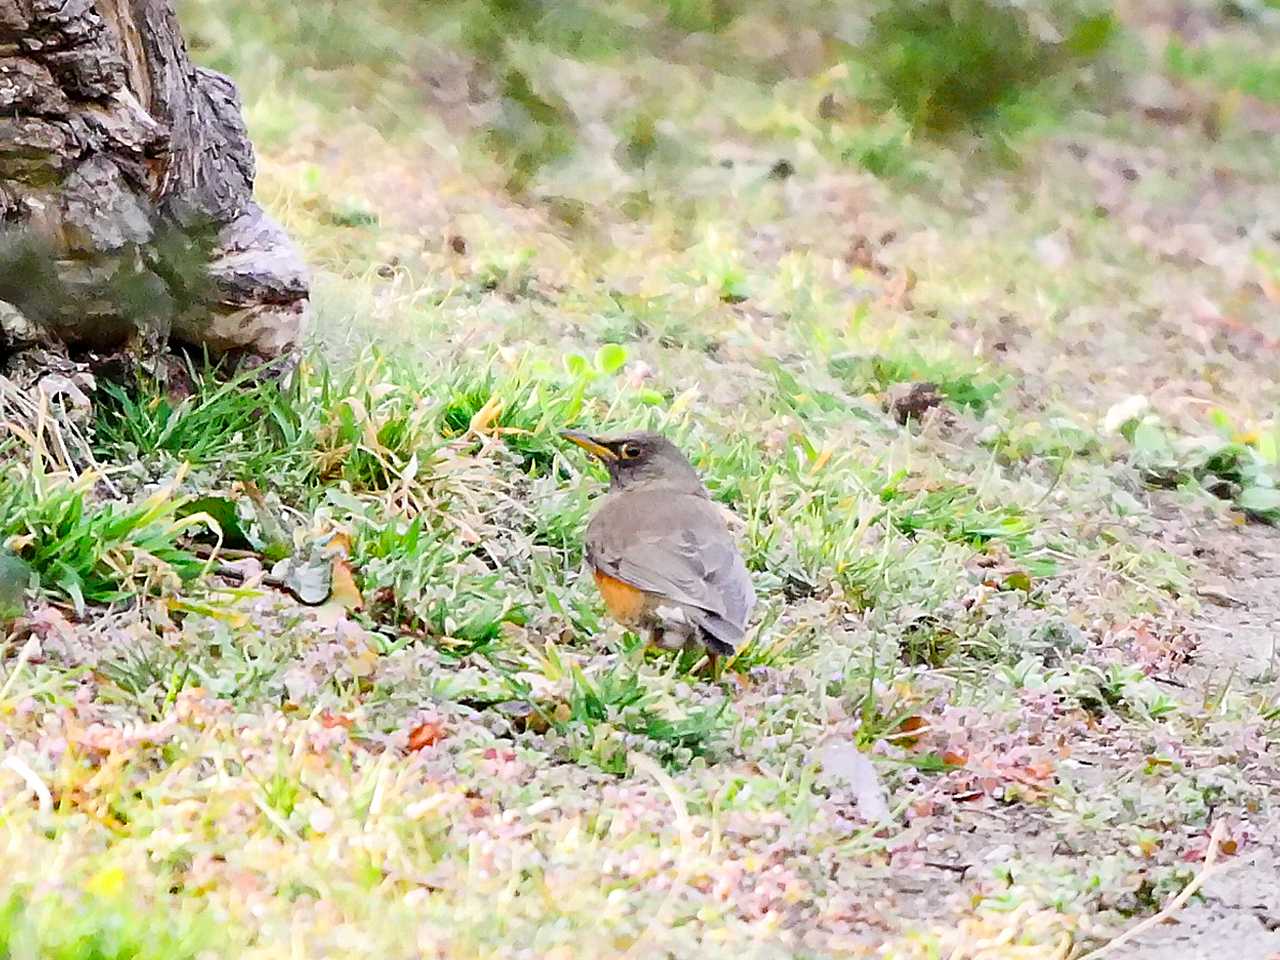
[(641, 460)]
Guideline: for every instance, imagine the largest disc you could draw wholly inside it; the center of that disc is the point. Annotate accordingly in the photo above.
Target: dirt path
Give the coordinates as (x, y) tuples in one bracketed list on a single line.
[(1238, 914), (1240, 625)]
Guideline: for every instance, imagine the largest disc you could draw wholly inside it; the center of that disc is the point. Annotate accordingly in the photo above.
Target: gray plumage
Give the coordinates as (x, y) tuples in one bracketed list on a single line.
[(676, 545), (659, 532)]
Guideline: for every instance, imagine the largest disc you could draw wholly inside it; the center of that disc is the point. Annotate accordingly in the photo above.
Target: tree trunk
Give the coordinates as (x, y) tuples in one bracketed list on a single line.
[(126, 190)]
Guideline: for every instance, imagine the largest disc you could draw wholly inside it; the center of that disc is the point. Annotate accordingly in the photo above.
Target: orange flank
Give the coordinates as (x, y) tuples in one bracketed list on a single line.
[(626, 603)]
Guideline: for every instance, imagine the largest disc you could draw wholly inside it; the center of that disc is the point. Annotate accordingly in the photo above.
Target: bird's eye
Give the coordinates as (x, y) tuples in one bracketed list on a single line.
[(629, 451)]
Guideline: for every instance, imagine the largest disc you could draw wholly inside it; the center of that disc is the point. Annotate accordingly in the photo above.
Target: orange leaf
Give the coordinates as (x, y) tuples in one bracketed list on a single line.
[(1040, 769), (910, 728), (426, 734), (339, 544), (344, 589)]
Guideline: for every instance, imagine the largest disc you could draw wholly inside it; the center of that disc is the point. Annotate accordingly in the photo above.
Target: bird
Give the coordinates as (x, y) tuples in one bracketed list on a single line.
[(661, 554)]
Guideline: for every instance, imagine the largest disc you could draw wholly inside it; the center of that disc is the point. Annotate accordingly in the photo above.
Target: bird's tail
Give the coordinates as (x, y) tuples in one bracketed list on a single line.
[(721, 636)]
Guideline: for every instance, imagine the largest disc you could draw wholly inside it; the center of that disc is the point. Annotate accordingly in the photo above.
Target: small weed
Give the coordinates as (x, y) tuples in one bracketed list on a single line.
[(884, 149), (976, 390), (522, 413), (1120, 688), (92, 927), (152, 677), (1232, 465), (602, 712), (244, 425), (96, 553), (372, 427), (1057, 439), (956, 514), (1227, 68), (423, 578)]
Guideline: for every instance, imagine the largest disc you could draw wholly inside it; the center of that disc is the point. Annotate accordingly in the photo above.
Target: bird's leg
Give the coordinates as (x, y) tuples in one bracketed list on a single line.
[(713, 665)]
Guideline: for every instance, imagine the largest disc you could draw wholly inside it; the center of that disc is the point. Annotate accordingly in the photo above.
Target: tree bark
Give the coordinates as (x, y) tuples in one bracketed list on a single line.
[(126, 190)]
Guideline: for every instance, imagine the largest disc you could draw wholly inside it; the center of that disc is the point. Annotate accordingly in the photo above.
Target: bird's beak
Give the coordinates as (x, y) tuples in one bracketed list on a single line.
[(589, 444)]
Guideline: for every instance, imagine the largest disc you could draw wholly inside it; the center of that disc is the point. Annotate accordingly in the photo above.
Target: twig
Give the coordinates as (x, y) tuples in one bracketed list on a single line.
[(261, 802), (206, 553), (26, 653), (33, 782), (960, 868), (1174, 905)]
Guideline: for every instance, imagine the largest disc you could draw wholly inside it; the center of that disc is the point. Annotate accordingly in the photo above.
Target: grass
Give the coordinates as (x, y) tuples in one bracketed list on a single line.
[(95, 554), (1231, 69), (234, 422), (99, 928), (719, 222)]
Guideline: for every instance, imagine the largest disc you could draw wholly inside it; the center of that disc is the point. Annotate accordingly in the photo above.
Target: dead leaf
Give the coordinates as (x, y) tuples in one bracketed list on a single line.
[(911, 401), (483, 419), (344, 589), (822, 460), (426, 734), (910, 730), (1041, 769), (339, 544), (362, 664)]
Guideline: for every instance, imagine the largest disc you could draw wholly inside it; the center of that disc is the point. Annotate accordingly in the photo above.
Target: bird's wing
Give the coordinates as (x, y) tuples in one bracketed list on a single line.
[(675, 546)]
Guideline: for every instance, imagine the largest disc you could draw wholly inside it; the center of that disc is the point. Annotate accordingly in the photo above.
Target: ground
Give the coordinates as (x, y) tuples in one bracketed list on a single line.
[(1014, 660)]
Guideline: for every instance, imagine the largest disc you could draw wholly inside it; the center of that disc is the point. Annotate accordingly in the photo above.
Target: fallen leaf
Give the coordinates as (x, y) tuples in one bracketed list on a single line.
[(1018, 580), (344, 589), (1259, 500), (339, 544), (1124, 412), (909, 730), (897, 294), (363, 664), (426, 734), (330, 720), (1040, 769), (924, 807), (483, 419)]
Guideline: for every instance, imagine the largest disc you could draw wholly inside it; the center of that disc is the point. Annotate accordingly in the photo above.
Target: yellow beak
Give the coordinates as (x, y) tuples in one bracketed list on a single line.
[(589, 444)]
